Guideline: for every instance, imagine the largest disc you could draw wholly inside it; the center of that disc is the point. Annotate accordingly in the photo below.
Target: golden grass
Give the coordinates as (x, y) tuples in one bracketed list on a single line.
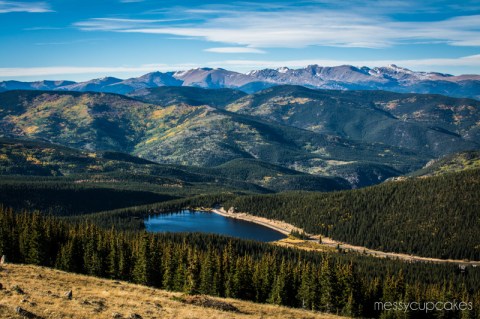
[(31, 129), (100, 298), (158, 114), (303, 244)]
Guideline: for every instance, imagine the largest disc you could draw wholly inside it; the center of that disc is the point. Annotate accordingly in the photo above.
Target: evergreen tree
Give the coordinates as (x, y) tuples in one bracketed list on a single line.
[(193, 273), (36, 242), (326, 296), (142, 268)]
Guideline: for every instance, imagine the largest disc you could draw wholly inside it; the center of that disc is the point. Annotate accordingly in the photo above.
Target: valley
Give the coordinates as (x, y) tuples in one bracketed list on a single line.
[(386, 184), (239, 159), (324, 243)]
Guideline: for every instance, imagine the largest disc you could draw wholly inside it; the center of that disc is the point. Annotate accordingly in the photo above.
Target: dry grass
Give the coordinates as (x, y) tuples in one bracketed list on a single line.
[(303, 244), (94, 298)]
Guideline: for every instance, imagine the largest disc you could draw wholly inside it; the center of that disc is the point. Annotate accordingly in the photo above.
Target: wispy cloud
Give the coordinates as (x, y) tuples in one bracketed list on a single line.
[(74, 70), (301, 26), (18, 6), (426, 64), (234, 50), (41, 28), (69, 42), (238, 65), (116, 24)]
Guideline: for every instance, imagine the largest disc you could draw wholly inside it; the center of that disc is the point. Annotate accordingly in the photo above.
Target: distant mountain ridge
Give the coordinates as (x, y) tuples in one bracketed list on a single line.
[(175, 127), (344, 77)]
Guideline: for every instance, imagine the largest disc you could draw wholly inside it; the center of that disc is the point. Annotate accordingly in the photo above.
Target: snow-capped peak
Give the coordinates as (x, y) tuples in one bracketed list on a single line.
[(399, 69), (283, 69), (180, 73)]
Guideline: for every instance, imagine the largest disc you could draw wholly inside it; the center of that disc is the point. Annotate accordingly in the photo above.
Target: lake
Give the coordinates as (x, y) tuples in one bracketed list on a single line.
[(207, 222)]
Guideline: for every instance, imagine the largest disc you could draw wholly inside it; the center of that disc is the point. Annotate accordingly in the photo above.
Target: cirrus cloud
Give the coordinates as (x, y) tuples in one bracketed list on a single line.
[(234, 50), (238, 65), (298, 27), (18, 6)]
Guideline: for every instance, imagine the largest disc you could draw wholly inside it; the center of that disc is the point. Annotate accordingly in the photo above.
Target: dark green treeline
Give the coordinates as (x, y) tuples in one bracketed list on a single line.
[(221, 266), (432, 217)]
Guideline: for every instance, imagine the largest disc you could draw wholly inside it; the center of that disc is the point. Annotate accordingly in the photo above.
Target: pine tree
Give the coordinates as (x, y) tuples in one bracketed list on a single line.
[(207, 284), (113, 256), (192, 286), (281, 293), (36, 242), (228, 266), (142, 268), (169, 266), (326, 283)]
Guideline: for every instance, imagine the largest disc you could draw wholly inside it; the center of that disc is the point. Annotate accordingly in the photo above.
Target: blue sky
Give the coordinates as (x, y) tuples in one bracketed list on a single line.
[(79, 40)]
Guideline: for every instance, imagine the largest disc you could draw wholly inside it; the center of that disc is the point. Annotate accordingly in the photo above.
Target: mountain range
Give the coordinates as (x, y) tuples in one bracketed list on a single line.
[(344, 77), (363, 137)]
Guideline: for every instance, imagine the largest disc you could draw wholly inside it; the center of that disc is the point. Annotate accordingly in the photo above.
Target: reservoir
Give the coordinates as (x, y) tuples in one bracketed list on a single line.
[(207, 222)]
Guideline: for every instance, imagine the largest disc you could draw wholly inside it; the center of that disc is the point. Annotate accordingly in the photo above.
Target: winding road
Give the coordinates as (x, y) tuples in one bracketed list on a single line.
[(286, 229)]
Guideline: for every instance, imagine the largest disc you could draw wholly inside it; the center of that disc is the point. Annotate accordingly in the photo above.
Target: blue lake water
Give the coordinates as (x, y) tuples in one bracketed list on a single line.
[(207, 222)]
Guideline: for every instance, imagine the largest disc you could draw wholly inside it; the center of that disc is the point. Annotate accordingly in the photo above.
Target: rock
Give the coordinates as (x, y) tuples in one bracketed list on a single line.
[(116, 315), (3, 260), (25, 313), (207, 302), (135, 316), (1, 286), (18, 290), (69, 295)]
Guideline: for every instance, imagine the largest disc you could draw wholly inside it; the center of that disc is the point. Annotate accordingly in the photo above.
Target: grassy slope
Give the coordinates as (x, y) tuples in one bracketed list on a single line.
[(450, 164), (100, 298)]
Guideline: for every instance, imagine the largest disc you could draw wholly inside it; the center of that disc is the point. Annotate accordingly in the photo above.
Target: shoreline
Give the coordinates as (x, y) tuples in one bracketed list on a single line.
[(286, 229), (278, 226)]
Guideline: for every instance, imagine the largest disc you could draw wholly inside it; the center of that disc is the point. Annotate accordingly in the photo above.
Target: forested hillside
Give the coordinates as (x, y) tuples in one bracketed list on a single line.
[(50, 163), (175, 132), (433, 217), (221, 266), (456, 162), (80, 172), (171, 95), (432, 124)]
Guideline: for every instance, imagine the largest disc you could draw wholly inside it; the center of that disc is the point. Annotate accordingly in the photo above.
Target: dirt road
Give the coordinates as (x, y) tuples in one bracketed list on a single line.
[(286, 229)]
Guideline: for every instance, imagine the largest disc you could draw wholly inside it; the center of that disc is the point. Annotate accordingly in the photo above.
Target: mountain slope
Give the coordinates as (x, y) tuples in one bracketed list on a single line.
[(457, 162), (93, 297), (432, 217), (430, 124), (391, 78), (38, 85), (170, 95), (96, 85), (186, 134), (33, 158), (150, 80)]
